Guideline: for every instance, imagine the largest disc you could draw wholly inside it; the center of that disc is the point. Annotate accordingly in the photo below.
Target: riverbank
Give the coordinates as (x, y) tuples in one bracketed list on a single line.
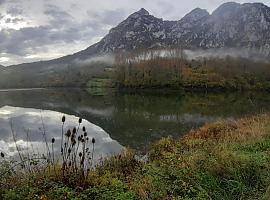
[(222, 160), (236, 84), (179, 72)]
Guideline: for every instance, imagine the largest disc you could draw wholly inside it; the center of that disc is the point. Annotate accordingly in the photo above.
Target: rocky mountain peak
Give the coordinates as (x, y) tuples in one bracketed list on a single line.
[(227, 6), (226, 10), (231, 25), (196, 15), (138, 30), (185, 26), (141, 12)]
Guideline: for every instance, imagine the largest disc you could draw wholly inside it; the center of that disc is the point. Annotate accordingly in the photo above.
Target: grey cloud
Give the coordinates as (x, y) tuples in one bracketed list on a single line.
[(57, 15), (14, 11), (17, 20), (165, 8), (14, 21), (30, 39), (65, 24), (27, 40), (62, 29), (110, 17), (17, 41), (8, 20)]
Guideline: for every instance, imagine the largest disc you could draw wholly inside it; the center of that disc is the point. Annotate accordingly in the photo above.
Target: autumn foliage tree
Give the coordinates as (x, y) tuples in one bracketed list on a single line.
[(150, 68)]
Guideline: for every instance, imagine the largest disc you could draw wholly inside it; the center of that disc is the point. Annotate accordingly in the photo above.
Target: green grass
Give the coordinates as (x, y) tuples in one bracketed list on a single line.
[(222, 160), (99, 83)]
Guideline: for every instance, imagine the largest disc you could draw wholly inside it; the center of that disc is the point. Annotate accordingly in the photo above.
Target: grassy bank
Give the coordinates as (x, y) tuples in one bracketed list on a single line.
[(222, 160)]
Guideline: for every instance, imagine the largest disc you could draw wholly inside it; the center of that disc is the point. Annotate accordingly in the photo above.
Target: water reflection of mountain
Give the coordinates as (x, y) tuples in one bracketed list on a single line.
[(135, 120)]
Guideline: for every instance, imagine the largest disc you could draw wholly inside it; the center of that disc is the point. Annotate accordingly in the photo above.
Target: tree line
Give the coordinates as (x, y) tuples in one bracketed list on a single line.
[(172, 68)]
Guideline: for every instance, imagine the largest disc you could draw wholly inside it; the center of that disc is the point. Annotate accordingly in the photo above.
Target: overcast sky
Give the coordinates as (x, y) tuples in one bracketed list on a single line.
[(32, 30)]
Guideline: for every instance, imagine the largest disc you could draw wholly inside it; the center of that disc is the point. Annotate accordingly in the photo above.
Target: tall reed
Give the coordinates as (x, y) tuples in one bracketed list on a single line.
[(77, 158)]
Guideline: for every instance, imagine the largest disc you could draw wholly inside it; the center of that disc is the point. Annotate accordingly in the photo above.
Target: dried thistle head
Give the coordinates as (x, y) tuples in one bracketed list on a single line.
[(85, 134), (80, 154), (69, 150), (63, 118), (74, 130), (73, 141), (53, 140), (93, 140), (2, 155), (83, 128), (72, 137), (80, 120), (68, 133)]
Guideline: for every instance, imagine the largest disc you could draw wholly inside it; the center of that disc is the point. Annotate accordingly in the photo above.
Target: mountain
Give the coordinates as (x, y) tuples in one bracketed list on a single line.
[(232, 25), (139, 30)]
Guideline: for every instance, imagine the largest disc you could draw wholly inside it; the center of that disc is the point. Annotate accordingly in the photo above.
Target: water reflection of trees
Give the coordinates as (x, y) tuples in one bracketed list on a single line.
[(137, 119)]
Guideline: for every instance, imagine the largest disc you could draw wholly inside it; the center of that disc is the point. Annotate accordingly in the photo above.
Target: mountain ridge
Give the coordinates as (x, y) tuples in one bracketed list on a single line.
[(197, 29), (231, 25), (235, 27)]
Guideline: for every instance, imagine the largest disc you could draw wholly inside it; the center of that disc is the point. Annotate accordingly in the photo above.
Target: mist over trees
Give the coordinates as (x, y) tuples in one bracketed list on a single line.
[(149, 68), (172, 68), (61, 75), (144, 68)]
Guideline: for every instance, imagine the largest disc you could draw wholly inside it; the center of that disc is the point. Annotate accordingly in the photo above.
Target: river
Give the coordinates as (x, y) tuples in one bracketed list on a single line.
[(116, 120)]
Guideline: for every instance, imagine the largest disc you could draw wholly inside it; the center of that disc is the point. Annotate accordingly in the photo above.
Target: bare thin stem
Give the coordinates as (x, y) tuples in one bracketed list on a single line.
[(15, 141), (93, 149), (62, 150), (45, 138)]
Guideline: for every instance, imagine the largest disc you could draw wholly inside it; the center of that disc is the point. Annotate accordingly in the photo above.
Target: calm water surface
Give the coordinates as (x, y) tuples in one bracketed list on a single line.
[(115, 120)]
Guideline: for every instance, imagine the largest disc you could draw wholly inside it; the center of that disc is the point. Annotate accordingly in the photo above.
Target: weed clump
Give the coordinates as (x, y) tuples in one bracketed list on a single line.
[(222, 160)]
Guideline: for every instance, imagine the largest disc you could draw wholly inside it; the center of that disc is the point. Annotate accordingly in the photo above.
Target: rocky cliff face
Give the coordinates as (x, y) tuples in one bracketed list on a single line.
[(236, 25), (232, 25), (139, 30)]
